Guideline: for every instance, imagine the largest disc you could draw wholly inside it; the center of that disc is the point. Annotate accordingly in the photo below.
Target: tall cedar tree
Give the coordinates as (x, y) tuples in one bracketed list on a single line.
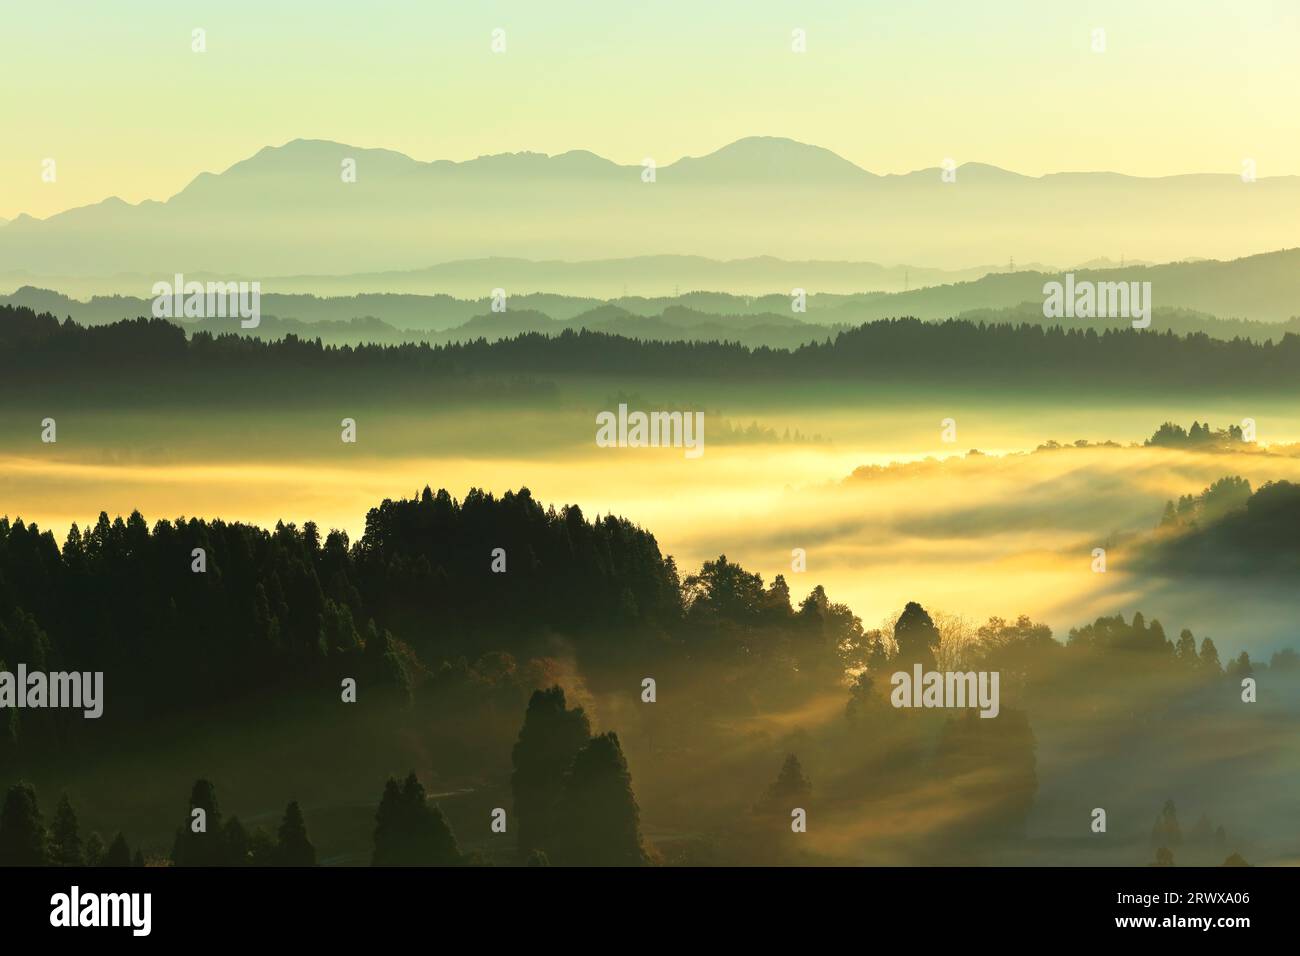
[(550, 739), (411, 832), (206, 846), (790, 789), (22, 831), (65, 841), (600, 820), (119, 854), (916, 636), (294, 849)]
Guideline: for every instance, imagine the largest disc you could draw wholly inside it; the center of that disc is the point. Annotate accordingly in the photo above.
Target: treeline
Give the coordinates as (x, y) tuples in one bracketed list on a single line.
[(1203, 838), (1229, 530), (1171, 435), (573, 805), (898, 351), (448, 605), (438, 600), (204, 839)]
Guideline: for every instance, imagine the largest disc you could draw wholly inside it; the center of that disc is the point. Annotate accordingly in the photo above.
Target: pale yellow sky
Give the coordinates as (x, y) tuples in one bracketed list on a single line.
[(118, 98)]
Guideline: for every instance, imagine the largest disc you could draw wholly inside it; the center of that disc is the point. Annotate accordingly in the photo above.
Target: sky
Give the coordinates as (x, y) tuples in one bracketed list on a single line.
[(115, 94)]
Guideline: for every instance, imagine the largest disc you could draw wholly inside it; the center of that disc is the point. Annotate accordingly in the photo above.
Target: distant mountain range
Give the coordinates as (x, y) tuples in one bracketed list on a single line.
[(1262, 287), (1257, 298), (286, 211), (597, 278)]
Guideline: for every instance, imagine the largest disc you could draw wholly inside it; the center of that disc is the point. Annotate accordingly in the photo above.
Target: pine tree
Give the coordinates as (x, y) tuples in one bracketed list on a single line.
[(549, 740), (916, 636), (94, 849), (119, 854), (294, 849), (205, 847), (1241, 667), (22, 831), (410, 832), (791, 788), (600, 819), (432, 842), (388, 827), (65, 841), (1210, 657)]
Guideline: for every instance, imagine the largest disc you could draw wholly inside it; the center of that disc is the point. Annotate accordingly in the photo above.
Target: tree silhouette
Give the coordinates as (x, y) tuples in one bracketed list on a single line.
[(549, 741), (409, 831), (1210, 657), (22, 831), (65, 841), (600, 820), (294, 849), (95, 849), (119, 854), (208, 846), (1166, 832), (916, 636), (790, 789)]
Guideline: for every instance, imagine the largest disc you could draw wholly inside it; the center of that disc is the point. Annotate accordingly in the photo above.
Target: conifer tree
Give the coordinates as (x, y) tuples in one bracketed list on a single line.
[(294, 849), (22, 830), (1210, 657), (94, 849), (200, 839), (119, 854), (916, 636), (550, 738), (411, 832), (600, 819), (790, 789), (65, 841)]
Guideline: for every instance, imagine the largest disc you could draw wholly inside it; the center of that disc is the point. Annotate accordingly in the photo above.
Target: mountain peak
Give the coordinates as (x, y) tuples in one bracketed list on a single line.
[(768, 158)]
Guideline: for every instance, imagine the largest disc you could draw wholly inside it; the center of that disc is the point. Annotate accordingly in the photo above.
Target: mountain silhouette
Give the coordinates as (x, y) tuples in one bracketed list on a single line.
[(288, 210)]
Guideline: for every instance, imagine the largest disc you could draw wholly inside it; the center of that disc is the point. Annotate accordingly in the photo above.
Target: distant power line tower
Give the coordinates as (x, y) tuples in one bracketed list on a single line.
[(1011, 264)]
